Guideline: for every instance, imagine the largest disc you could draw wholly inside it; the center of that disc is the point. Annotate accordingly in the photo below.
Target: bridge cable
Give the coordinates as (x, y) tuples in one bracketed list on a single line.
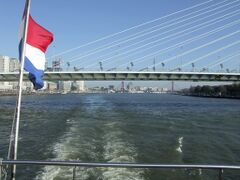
[(213, 20), (200, 47), (145, 39), (222, 60), (211, 53), (134, 27), (166, 37), (132, 37), (195, 38), (159, 40)]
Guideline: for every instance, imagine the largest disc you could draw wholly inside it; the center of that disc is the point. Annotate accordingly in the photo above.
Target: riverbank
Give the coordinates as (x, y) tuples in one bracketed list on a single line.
[(210, 96), (14, 93)]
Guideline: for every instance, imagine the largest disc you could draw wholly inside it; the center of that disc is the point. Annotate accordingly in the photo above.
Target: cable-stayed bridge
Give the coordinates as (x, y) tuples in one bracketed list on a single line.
[(199, 43)]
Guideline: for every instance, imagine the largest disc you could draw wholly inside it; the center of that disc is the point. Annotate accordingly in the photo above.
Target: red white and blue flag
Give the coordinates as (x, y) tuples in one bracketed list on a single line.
[(37, 41)]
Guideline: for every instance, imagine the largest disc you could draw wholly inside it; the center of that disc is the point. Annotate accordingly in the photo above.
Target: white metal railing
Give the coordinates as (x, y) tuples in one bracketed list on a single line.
[(74, 164)]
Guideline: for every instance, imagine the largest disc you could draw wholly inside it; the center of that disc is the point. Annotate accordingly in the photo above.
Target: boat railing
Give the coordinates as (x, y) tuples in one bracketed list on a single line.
[(75, 164)]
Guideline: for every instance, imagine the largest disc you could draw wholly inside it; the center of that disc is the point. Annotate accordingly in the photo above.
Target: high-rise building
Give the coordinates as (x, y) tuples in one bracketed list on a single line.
[(50, 86), (56, 65), (65, 86), (4, 67), (80, 85), (4, 63), (14, 65), (8, 64)]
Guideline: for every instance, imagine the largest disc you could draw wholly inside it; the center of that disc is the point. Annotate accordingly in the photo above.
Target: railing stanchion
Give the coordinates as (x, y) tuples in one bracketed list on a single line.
[(0, 172), (1, 168), (74, 172), (220, 174)]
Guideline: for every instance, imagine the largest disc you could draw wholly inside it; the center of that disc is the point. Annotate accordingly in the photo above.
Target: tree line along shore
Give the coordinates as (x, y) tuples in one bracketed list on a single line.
[(220, 91)]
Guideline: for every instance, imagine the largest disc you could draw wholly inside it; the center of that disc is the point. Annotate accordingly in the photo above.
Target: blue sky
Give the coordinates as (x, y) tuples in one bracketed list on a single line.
[(75, 22)]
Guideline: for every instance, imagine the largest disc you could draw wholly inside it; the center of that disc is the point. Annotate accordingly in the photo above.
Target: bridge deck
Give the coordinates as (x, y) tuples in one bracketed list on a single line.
[(128, 75)]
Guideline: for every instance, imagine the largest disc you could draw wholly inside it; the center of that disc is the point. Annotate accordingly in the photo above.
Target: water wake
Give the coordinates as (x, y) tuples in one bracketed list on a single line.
[(94, 138)]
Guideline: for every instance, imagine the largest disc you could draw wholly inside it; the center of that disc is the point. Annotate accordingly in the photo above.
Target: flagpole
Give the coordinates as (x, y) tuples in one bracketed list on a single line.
[(20, 84)]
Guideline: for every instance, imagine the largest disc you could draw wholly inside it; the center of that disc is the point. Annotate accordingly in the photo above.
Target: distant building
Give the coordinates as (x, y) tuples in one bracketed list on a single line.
[(51, 86), (4, 67), (27, 85), (65, 86), (79, 85), (14, 65), (111, 87), (138, 88), (4, 63), (129, 85), (8, 64), (56, 65)]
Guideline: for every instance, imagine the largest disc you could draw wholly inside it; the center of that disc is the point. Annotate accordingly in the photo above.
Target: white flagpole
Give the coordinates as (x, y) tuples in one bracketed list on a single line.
[(19, 99)]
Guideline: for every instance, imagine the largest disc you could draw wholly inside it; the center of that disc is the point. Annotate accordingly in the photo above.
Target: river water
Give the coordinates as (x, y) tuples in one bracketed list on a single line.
[(142, 128)]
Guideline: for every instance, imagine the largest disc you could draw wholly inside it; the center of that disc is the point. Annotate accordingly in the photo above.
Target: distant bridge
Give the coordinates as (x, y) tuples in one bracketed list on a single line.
[(127, 76)]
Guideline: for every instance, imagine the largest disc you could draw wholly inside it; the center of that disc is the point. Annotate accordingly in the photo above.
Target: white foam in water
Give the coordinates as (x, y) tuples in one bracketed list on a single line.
[(118, 150), (62, 151), (180, 142), (200, 172)]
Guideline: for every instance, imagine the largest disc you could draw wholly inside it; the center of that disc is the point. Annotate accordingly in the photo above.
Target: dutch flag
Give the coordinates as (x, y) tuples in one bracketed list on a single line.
[(37, 41)]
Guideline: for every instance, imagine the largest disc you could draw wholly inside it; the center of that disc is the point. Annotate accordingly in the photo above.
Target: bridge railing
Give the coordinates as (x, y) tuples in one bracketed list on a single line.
[(75, 164)]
